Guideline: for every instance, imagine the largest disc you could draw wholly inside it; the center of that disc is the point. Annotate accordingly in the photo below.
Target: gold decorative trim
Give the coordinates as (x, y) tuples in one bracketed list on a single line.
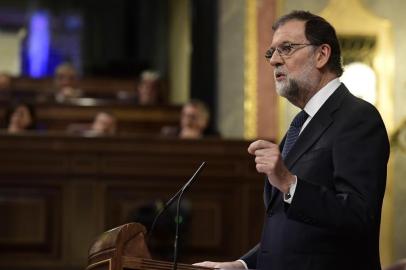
[(250, 70), (93, 265), (280, 7), (387, 218), (179, 51)]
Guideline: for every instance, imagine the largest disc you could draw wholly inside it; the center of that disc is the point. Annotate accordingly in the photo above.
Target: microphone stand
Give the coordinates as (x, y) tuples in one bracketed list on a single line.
[(175, 244), (178, 195)]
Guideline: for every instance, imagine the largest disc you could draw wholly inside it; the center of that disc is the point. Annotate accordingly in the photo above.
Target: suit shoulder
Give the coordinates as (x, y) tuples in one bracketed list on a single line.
[(359, 106), (356, 112)]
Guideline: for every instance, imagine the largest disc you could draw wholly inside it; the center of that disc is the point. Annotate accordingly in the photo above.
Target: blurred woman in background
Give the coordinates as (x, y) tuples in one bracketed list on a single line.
[(20, 117)]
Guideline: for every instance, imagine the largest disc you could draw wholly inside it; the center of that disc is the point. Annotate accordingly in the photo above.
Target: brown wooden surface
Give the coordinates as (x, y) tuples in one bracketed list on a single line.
[(125, 247), (112, 245), (58, 193), (141, 263), (131, 118), (92, 87)]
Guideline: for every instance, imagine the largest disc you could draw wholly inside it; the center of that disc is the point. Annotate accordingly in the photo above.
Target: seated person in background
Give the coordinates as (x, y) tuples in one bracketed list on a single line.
[(5, 86), (66, 81), (19, 118), (5, 81), (104, 124), (149, 89), (194, 120)]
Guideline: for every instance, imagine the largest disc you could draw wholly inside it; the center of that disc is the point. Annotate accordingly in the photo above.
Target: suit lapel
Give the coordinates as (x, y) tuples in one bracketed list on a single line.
[(316, 127)]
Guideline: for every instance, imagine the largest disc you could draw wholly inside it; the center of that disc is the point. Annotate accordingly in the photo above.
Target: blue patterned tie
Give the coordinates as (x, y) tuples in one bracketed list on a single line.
[(293, 132)]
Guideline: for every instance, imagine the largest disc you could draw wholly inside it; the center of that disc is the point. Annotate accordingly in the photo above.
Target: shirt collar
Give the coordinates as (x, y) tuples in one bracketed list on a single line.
[(315, 103)]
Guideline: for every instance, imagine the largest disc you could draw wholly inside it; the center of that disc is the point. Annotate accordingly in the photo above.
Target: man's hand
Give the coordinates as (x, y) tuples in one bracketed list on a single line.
[(222, 265), (269, 161)]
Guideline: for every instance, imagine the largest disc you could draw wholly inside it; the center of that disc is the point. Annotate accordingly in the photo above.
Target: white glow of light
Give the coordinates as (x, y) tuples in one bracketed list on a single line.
[(360, 79)]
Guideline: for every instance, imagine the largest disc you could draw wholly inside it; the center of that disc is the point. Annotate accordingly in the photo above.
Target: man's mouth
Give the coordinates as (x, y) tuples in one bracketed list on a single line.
[(279, 76)]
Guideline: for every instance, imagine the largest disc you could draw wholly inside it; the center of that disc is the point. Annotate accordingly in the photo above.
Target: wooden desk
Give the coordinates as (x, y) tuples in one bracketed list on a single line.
[(58, 193)]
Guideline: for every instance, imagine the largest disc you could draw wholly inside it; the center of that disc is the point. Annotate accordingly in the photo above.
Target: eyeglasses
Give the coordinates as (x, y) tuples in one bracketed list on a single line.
[(285, 49)]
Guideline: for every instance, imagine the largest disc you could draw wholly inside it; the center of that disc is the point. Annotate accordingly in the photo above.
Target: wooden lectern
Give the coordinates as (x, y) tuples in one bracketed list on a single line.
[(124, 247)]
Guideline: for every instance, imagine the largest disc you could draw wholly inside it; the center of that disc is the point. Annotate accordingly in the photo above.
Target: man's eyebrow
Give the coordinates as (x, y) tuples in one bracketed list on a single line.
[(281, 43), (286, 42)]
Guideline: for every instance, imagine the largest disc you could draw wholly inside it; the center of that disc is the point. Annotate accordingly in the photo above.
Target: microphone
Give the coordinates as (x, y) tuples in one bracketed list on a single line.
[(175, 249), (170, 201)]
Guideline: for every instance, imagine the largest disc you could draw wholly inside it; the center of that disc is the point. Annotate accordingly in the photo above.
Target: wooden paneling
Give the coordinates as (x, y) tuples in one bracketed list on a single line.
[(30, 224), (131, 118), (57, 193)]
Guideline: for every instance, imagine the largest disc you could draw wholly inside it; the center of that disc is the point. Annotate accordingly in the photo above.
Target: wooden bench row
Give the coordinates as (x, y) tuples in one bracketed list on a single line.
[(131, 118)]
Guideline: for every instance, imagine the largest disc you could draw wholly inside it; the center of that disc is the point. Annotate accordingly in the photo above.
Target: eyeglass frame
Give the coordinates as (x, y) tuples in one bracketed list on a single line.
[(270, 52)]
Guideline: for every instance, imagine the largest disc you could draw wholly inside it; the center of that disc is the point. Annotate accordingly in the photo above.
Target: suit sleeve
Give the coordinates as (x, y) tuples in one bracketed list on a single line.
[(359, 155), (250, 258)]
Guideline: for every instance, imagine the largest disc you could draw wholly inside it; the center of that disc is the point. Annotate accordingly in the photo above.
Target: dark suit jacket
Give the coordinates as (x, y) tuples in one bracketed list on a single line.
[(340, 160)]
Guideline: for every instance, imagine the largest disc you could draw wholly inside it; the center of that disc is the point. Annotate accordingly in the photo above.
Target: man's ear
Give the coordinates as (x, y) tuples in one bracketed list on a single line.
[(323, 55)]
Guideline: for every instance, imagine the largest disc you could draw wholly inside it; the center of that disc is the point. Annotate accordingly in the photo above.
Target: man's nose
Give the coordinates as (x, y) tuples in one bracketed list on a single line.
[(276, 59)]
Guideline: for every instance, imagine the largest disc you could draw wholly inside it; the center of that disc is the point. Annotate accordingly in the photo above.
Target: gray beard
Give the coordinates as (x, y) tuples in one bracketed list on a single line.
[(291, 91)]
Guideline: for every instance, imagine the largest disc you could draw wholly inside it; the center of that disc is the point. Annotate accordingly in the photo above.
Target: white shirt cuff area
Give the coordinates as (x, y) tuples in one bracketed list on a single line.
[(245, 265), (288, 197)]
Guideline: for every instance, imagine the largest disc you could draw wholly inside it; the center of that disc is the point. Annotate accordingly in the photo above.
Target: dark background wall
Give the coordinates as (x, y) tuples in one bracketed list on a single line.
[(118, 38), (204, 54), (125, 37), (121, 38)]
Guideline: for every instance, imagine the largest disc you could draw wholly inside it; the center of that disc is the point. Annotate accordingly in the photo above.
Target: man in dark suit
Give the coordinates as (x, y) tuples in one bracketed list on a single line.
[(325, 183)]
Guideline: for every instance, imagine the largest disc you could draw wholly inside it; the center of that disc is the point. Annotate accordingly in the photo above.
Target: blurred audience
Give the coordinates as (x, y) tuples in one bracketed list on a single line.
[(66, 82), (20, 117), (149, 89), (104, 124), (194, 120)]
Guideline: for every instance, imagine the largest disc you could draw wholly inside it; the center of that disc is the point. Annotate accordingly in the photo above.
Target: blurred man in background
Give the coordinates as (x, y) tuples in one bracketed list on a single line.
[(66, 83), (149, 89), (103, 124), (194, 120)]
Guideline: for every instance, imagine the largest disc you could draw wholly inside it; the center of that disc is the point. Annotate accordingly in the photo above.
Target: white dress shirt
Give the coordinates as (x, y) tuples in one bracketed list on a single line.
[(311, 108)]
